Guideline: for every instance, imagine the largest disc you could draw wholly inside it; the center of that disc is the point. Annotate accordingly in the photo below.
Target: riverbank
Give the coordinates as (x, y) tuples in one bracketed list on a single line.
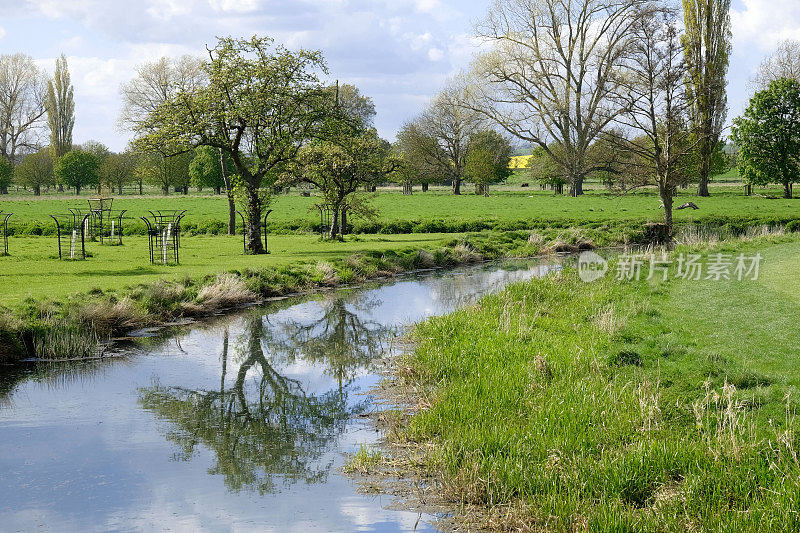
[(615, 405), (94, 300)]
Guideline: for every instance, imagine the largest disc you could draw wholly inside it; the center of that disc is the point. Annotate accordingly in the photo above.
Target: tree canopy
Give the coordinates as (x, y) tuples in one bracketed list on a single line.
[(768, 136), (77, 169), (260, 104)]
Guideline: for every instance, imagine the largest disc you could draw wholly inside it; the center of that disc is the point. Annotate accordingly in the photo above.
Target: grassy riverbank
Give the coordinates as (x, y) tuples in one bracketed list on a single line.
[(614, 406), (117, 290)]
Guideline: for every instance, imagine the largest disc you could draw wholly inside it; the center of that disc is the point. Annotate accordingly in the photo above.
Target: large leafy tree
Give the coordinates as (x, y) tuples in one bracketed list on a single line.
[(341, 167), (488, 160), (768, 136), (77, 169), (261, 103), (420, 155), (205, 170), (60, 105), (36, 171), (707, 48), (450, 124), (117, 170)]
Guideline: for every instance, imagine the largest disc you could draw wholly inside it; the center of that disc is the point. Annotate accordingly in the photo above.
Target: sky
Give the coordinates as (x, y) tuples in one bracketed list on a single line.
[(399, 52)]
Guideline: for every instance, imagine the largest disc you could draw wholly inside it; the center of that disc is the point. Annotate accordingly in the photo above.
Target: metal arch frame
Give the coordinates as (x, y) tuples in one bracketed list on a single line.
[(244, 233), (119, 224), (323, 211), (75, 226), (154, 228), (264, 225), (5, 216), (151, 232)]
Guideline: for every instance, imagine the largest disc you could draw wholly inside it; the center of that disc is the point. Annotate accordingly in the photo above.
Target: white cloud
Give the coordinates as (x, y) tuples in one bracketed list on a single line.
[(234, 6), (435, 54), (2, 32), (764, 23)]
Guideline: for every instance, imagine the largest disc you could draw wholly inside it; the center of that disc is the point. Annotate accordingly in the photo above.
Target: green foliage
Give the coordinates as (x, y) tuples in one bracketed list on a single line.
[(6, 174), (77, 169), (488, 159), (261, 103), (60, 105), (768, 136), (544, 168), (707, 47), (118, 170), (36, 171), (205, 170)]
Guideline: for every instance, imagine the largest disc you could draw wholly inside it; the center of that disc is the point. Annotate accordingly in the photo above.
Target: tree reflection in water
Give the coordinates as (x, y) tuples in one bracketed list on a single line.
[(265, 429)]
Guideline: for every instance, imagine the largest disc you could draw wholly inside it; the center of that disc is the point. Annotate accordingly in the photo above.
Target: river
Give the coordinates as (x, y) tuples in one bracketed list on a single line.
[(241, 423)]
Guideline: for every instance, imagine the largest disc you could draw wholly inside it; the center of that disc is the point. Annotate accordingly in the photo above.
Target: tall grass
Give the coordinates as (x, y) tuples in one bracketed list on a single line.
[(546, 406)]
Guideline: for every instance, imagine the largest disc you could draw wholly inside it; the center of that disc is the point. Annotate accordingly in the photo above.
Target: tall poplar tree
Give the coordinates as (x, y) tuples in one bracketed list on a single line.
[(60, 105), (707, 49)]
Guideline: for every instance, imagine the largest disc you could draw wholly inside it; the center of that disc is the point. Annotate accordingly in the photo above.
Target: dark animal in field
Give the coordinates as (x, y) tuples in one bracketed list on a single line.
[(688, 204), (524, 185)]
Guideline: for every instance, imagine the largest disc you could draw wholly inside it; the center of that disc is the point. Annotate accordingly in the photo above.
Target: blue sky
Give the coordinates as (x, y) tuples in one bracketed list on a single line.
[(397, 51)]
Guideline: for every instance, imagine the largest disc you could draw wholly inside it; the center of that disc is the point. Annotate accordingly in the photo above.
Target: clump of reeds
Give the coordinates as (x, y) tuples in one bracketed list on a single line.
[(66, 342), (228, 290)]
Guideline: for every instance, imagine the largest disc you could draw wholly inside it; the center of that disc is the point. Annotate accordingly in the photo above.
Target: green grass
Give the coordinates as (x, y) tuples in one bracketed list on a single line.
[(619, 406), (421, 211), (33, 269)]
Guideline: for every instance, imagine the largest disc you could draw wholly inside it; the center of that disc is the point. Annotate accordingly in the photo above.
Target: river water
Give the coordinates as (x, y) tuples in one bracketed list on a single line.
[(238, 424)]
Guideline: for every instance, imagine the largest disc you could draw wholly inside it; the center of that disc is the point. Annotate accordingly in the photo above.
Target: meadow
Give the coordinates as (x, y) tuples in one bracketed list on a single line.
[(616, 406), (435, 211)]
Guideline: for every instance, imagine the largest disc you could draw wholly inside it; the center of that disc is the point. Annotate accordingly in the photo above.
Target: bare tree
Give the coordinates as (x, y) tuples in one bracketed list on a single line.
[(661, 146), (549, 78), (451, 123), (155, 84), (783, 63), (22, 91)]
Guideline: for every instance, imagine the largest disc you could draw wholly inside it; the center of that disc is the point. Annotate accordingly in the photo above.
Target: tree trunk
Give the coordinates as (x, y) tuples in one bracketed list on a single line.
[(217, 190), (37, 190), (748, 189), (77, 190), (119, 189), (576, 186), (705, 167), (185, 189), (343, 225), (667, 199), (457, 186), (334, 229), (424, 187), (140, 188), (787, 190), (165, 190), (253, 222), (229, 192)]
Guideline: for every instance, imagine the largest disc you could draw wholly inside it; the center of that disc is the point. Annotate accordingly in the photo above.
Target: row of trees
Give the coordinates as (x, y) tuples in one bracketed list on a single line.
[(610, 88)]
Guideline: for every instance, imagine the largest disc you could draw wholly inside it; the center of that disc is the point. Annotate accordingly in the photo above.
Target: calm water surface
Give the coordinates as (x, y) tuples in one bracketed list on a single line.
[(239, 424)]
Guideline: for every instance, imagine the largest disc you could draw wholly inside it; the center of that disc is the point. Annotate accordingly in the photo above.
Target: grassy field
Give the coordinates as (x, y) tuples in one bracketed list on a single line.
[(33, 270), (618, 406), (437, 210)]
